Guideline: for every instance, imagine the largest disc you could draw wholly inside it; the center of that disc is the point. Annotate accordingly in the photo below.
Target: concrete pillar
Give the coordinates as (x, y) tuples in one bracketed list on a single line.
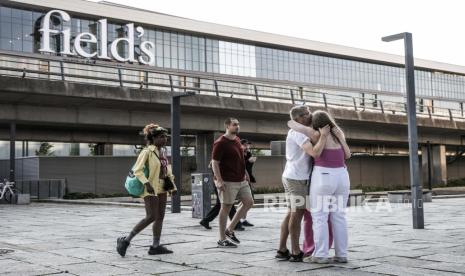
[(74, 149), (426, 166), (278, 147), (203, 150), (12, 152), (103, 149), (438, 165), (108, 149)]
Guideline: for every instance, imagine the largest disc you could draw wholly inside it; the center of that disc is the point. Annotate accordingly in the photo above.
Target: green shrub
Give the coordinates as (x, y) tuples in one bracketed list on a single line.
[(268, 190), (91, 195)]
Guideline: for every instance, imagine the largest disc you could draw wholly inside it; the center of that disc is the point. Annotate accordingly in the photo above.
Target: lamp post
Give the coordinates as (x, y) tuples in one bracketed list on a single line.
[(12, 173), (175, 146), (416, 188)]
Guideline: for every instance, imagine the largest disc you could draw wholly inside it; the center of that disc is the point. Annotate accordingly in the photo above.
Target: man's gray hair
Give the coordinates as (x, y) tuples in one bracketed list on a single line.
[(298, 111)]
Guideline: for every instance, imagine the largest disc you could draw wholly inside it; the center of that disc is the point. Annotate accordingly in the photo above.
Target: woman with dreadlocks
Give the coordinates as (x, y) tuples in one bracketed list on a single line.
[(157, 185)]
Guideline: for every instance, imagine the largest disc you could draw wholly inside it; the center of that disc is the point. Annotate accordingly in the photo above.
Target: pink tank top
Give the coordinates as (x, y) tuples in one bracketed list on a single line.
[(331, 158)]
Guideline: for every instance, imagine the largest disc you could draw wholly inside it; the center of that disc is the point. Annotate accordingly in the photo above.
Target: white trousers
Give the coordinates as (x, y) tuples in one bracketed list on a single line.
[(329, 192)]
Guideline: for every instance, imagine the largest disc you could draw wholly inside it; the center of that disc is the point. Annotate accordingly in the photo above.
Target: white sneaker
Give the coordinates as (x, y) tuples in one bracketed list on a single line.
[(316, 260), (341, 260)]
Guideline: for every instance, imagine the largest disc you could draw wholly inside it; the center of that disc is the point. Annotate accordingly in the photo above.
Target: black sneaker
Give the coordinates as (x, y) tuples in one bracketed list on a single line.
[(205, 224), (297, 258), (121, 246), (284, 256), (239, 227), (159, 250), (247, 224), (232, 237), (226, 244)]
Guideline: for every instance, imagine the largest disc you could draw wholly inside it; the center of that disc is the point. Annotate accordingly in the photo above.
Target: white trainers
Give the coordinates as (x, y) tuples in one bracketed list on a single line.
[(316, 260), (341, 260)]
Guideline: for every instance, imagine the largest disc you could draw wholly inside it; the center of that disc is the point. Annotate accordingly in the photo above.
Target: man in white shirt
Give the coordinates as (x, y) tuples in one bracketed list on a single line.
[(295, 179)]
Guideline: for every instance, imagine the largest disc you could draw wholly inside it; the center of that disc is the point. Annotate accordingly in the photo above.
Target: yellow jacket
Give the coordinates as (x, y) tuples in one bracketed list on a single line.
[(148, 154)]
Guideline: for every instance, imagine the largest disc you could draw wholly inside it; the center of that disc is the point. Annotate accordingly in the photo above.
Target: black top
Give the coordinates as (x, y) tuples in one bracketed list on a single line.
[(249, 165)]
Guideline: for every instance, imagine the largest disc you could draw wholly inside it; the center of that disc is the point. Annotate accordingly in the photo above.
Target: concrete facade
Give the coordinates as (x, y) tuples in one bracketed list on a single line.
[(74, 112), (59, 109), (106, 174), (93, 174)]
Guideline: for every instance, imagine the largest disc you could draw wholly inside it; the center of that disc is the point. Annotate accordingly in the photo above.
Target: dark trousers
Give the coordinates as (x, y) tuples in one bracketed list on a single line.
[(215, 210)]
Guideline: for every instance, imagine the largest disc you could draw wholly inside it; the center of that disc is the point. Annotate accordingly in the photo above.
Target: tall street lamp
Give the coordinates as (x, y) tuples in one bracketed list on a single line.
[(416, 188), (175, 146)]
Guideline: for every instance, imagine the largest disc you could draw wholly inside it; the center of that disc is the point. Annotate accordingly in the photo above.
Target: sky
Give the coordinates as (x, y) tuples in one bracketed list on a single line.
[(437, 26)]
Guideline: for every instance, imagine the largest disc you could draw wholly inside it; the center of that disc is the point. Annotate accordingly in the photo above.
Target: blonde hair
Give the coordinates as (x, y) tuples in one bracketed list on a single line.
[(149, 132), (298, 111), (149, 127), (322, 118)]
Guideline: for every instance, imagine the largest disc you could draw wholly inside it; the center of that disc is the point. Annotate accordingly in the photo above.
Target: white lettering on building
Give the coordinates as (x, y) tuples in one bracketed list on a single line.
[(146, 47)]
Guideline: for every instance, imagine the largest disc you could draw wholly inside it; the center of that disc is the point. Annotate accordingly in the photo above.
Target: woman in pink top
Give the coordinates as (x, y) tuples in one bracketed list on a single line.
[(329, 190)]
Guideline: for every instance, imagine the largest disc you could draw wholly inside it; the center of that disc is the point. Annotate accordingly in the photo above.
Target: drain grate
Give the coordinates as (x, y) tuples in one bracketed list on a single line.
[(4, 251)]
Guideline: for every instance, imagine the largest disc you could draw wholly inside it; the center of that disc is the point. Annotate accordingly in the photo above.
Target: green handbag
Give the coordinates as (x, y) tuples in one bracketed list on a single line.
[(133, 185)]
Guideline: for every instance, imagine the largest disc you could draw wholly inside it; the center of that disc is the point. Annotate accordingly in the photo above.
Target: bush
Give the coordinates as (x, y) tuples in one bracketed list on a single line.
[(455, 183), (373, 189), (91, 195), (269, 190)]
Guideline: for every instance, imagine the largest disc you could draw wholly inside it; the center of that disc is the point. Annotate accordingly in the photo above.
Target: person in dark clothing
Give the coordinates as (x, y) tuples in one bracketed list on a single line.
[(249, 162), (249, 159), (215, 210)]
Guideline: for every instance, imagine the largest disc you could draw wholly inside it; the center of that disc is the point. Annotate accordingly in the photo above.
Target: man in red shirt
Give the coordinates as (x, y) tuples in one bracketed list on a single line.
[(231, 180)]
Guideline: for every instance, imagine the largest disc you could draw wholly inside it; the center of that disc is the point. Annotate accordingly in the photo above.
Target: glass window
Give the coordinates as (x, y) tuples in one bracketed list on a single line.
[(193, 52)]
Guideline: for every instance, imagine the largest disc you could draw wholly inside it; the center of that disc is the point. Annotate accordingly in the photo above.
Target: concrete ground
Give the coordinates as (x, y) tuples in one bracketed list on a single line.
[(65, 239)]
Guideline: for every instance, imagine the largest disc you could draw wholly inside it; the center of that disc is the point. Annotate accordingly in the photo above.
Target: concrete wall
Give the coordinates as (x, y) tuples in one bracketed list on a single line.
[(94, 174), (268, 170), (99, 175), (380, 171), (78, 112), (456, 169), (26, 168), (387, 172), (106, 174)]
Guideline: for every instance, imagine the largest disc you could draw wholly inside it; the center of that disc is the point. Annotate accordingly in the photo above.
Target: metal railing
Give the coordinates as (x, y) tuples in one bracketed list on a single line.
[(84, 71), (42, 188)]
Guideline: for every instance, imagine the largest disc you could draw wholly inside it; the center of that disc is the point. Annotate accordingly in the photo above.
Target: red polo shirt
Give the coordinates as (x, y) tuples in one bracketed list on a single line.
[(231, 157)]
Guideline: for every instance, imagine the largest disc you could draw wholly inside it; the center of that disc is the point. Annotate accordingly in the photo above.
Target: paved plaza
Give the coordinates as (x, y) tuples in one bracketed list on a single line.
[(70, 239)]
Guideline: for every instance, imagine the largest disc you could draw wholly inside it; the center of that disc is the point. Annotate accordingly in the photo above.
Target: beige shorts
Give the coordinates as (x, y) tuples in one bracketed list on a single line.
[(296, 193), (233, 190)]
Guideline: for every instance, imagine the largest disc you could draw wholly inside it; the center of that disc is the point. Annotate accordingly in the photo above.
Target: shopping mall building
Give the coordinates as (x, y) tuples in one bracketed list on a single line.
[(106, 44), (178, 44)]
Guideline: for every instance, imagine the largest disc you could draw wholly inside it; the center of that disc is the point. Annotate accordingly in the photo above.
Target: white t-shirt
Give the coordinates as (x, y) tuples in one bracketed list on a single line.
[(297, 160)]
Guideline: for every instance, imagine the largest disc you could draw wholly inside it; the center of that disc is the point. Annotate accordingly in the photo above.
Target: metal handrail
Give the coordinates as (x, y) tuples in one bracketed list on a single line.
[(151, 78)]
